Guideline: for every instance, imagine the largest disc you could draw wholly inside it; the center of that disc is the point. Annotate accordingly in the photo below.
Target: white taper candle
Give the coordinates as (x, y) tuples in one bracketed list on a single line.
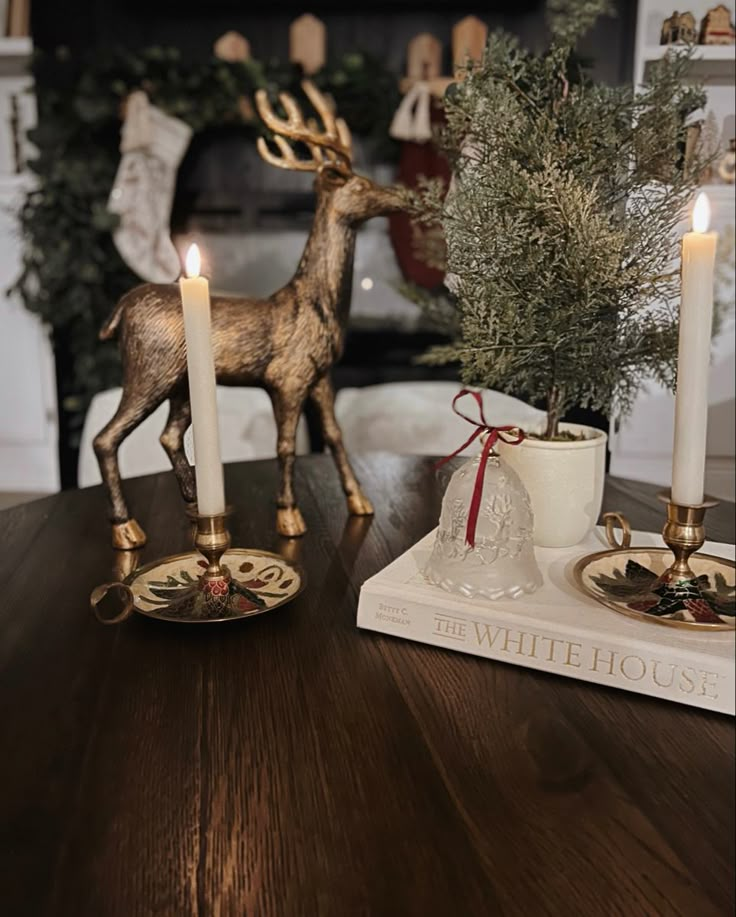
[(693, 359), (195, 300)]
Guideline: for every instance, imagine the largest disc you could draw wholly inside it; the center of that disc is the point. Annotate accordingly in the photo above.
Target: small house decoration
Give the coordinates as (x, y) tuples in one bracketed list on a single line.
[(308, 43), (717, 28), (232, 47), (680, 27)]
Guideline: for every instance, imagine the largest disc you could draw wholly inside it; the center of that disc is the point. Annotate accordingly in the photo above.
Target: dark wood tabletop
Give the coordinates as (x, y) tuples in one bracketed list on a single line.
[(291, 764)]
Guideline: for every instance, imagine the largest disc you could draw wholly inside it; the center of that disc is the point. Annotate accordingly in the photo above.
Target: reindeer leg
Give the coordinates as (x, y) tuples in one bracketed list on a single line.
[(287, 408), (172, 439), (134, 407), (323, 397)]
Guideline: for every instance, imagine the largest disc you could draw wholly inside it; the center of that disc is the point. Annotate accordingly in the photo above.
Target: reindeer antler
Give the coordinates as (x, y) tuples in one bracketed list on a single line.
[(331, 146)]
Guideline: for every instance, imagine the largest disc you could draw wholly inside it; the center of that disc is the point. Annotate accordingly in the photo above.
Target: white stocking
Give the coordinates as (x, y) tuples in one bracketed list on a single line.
[(152, 146)]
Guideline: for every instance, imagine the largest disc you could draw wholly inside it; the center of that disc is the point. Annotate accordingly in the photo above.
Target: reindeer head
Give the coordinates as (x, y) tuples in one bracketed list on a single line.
[(353, 199)]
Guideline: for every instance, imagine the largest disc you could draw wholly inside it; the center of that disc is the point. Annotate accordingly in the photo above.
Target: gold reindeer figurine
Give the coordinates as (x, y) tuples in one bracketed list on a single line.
[(285, 344)]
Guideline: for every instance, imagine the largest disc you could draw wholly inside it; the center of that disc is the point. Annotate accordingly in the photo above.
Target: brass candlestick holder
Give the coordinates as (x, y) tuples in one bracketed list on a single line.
[(684, 535), (676, 585), (212, 539), (199, 586)]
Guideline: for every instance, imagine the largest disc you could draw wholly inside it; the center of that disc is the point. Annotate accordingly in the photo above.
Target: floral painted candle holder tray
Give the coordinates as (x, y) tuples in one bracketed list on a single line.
[(172, 589), (632, 581)]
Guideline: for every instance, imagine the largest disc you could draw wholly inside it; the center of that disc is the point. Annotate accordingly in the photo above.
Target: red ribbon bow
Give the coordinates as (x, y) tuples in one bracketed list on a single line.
[(494, 434)]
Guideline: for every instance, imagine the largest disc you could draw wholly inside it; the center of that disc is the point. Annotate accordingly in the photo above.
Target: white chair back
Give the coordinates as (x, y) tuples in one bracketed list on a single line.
[(416, 418), (247, 431)]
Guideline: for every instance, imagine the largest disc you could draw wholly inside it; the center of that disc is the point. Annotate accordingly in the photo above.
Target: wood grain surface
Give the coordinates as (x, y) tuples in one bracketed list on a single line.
[(290, 764)]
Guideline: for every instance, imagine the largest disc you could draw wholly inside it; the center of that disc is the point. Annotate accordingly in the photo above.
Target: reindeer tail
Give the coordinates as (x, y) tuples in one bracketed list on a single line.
[(110, 327)]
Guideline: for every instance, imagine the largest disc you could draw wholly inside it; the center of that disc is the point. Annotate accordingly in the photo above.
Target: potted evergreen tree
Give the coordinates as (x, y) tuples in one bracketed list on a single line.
[(560, 229)]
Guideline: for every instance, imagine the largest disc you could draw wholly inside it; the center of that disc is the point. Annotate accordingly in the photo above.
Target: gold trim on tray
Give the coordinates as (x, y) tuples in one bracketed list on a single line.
[(186, 596), (640, 582)]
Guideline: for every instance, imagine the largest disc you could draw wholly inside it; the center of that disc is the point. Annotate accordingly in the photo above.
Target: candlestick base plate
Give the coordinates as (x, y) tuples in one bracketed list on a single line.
[(180, 588), (639, 582)]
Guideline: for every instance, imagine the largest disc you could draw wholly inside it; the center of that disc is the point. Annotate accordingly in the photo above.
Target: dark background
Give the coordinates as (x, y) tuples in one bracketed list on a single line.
[(382, 29)]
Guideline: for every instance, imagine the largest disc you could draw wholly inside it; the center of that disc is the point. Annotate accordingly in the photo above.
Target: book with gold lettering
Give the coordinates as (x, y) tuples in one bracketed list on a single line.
[(557, 629)]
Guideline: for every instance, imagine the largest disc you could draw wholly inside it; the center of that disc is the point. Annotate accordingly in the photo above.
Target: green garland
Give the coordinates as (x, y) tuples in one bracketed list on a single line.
[(72, 273)]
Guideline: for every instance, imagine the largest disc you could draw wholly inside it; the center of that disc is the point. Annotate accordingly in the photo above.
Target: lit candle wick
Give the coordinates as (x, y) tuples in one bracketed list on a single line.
[(193, 262), (701, 213)]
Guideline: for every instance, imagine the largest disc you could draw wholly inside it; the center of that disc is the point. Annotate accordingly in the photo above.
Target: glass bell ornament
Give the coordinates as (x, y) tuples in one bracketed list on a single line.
[(493, 558)]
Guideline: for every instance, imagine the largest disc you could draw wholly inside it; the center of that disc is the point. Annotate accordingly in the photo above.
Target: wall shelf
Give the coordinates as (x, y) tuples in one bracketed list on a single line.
[(722, 192), (711, 64), (16, 48), (714, 53)]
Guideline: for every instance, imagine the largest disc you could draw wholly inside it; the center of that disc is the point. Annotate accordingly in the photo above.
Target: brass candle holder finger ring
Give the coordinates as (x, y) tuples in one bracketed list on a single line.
[(100, 592), (610, 521)]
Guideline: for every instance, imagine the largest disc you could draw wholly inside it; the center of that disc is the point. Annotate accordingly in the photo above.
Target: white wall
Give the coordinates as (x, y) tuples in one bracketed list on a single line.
[(28, 416)]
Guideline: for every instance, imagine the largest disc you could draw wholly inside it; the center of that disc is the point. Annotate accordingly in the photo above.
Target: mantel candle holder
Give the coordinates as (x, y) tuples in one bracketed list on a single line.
[(676, 585), (214, 583)]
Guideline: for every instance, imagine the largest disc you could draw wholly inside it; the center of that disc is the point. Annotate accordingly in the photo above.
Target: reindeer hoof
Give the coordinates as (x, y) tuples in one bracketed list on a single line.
[(289, 522), (359, 505), (127, 536)]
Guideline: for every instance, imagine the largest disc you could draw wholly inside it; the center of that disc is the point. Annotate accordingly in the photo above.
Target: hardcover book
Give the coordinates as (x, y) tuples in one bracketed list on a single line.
[(557, 629)]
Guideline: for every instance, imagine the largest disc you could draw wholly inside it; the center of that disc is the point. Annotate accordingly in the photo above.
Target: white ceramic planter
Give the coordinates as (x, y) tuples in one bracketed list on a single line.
[(565, 483)]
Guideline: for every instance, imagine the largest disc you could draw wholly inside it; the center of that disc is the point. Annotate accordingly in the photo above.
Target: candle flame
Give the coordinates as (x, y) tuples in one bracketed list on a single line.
[(701, 213), (193, 261)]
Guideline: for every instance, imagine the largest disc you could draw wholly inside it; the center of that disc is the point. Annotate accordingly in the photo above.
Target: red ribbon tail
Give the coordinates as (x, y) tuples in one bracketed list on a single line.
[(474, 510), (493, 434)]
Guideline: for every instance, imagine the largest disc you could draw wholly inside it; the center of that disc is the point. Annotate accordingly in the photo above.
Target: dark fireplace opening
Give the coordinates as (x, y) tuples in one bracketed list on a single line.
[(223, 184)]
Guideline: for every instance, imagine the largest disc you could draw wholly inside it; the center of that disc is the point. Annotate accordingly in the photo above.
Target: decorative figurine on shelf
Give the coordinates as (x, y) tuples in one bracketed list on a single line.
[(286, 343), (727, 165), (484, 542), (717, 27), (680, 27)]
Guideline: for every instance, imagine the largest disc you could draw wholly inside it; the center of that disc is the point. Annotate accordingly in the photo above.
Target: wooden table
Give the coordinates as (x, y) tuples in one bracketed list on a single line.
[(293, 765)]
